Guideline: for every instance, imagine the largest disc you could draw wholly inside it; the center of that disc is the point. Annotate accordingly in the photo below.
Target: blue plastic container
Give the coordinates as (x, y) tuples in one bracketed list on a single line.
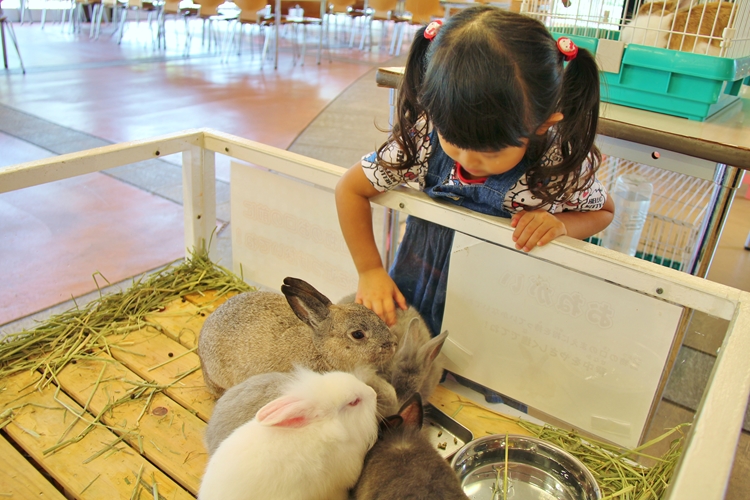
[(671, 82)]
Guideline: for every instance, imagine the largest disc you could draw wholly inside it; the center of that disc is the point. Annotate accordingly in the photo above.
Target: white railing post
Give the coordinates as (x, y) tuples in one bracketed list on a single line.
[(199, 198)]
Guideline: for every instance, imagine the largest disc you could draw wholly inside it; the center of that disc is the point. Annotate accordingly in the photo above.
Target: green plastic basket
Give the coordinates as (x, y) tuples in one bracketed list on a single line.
[(671, 82)]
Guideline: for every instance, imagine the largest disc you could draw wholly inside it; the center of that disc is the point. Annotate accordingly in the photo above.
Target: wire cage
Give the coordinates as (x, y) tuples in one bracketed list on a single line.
[(677, 213), (686, 58)]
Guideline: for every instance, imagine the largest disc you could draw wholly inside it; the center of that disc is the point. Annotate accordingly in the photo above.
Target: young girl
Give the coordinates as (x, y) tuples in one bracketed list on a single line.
[(488, 119)]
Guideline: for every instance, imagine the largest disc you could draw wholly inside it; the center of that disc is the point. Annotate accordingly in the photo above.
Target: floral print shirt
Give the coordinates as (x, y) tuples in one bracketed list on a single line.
[(518, 198)]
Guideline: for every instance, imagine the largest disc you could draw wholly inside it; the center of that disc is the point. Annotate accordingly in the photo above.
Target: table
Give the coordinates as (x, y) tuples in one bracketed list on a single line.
[(717, 150)]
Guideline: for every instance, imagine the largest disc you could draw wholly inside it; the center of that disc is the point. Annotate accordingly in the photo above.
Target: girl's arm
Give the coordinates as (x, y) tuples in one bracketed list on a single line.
[(539, 227), (376, 290)]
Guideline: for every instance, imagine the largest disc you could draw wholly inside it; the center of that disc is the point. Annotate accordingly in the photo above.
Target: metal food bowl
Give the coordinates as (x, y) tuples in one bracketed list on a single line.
[(445, 434), (536, 470)]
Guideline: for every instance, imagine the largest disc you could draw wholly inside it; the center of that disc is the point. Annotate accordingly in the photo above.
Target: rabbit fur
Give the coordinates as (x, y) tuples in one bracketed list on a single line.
[(240, 403), (650, 25), (262, 332), (404, 464), (417, 365), (308, 444), (705, 20), (684, 21)]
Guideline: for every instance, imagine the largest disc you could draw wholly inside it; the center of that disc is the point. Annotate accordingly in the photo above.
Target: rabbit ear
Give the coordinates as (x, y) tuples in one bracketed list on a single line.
[(431, 349), (410, 342), (286, 411), (392, 422), (306, 287), (306, 306), (411, 411)]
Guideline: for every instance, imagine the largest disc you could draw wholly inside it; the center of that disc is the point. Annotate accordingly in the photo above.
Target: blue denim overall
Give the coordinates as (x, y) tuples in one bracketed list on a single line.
[(421, 266)]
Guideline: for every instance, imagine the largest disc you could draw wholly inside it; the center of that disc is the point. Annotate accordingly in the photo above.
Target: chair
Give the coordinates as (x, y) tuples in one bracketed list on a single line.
[(63, 13), (313, 14), (4, 23), (76, 13), (179, 10), (252, 13), (379, 10), (98, 14), (138, 6), (210, 14), (342, 8), (416, 12)]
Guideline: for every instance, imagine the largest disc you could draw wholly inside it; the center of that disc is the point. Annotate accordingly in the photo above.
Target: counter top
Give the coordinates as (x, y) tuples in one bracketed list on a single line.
[(723, 138)]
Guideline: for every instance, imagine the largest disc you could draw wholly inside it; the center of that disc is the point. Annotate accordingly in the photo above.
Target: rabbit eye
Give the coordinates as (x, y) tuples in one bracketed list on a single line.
[(355, 402), (358, 334)]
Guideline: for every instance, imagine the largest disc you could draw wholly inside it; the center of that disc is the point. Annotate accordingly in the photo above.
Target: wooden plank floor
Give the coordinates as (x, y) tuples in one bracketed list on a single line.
[(157, 437), (147, 445)]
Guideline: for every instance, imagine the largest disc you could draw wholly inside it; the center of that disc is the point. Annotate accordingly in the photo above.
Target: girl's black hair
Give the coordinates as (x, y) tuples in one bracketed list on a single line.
[(491, 78)]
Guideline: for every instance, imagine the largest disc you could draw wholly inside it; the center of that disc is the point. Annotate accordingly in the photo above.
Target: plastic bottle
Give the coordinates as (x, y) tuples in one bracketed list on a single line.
[(632, 197)]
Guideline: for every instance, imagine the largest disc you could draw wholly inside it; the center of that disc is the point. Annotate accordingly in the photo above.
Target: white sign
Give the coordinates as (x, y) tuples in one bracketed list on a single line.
[(586, 351), (286, 227)]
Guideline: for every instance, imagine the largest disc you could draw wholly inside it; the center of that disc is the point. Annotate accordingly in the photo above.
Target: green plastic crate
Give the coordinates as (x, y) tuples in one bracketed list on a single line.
[(671, 82)]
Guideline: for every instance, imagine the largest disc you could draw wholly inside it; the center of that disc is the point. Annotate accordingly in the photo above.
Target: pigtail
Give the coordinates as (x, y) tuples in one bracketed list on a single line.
[(408, 109), (579, 104)]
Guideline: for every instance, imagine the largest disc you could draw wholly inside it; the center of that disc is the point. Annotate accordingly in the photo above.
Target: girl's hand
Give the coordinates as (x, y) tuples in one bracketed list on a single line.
[(377, 292), (535, 228)]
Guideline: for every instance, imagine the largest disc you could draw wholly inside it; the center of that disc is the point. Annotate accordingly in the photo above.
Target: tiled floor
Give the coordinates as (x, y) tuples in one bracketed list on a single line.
[(94, 92), (80, 93)]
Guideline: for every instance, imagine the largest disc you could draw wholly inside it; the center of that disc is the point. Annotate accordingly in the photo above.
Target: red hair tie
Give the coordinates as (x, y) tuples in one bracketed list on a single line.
[(568, 49), (431, 30)]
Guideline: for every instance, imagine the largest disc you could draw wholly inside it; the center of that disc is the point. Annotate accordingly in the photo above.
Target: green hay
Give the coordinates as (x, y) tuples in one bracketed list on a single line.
[(615, 469), (81, 332)]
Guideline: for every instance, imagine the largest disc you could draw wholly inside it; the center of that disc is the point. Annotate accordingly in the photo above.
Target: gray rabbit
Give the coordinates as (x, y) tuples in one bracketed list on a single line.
[(416, 366), (404, 464), (262, 332), (240, 403)]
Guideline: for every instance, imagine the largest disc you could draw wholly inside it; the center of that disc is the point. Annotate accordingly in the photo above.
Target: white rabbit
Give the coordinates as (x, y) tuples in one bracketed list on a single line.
[(239, 404), (308, 444), (651, 24)]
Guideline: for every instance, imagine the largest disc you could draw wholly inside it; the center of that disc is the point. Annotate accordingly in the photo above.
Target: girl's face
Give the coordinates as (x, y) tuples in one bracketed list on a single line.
[(483, 164)]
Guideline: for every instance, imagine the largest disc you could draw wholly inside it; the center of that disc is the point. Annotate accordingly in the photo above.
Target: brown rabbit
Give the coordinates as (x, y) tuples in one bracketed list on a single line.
[(261, 332), (704, 20), (404, 464)]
